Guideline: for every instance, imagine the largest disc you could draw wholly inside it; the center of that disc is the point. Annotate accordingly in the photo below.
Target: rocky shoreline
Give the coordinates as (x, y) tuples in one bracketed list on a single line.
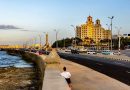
[(12, 78)]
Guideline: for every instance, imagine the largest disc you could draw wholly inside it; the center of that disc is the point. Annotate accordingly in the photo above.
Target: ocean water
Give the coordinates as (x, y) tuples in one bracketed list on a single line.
[(13, 61)]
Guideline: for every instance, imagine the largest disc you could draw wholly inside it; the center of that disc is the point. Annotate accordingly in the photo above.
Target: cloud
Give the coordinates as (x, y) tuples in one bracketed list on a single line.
[(8, 27), (24, 30)]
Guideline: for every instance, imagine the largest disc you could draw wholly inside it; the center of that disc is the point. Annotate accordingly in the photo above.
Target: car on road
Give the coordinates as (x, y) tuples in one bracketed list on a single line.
[(74, 51), (107, 52), (117, 53), (67, 50), (91, 52), (82, 50)]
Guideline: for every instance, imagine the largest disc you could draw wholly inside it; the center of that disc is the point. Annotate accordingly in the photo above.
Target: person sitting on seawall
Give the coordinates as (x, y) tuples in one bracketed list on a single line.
[(67, 76)]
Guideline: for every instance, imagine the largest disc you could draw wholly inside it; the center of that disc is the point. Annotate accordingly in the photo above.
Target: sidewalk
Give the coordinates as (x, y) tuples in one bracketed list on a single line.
[(53, 79), (84, 78)]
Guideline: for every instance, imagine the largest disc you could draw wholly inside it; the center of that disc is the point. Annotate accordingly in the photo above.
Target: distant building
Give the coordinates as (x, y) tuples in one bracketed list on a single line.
[(92, 33), (126, 35), (122, 35), (100, 33), (10, 46), (4, 46)]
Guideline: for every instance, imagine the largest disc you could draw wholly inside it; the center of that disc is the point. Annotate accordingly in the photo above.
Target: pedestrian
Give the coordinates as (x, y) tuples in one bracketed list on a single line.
[(67, 76)]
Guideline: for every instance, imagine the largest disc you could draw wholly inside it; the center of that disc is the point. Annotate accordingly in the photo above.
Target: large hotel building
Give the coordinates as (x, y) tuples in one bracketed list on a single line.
[(91, 32)]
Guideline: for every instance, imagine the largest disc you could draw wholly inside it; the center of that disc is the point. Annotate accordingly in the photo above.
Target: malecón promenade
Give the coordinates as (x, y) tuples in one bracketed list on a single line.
[(83, 78)]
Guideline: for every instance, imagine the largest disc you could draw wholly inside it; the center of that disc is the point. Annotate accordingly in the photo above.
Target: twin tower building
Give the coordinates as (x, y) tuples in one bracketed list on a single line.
[(91, 32)]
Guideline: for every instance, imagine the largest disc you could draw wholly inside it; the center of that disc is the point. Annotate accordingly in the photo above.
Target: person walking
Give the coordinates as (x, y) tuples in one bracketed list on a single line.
[(67, 76)]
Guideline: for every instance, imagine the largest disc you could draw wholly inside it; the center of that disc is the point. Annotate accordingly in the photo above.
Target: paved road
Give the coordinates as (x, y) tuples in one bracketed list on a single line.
[(126, 52), (84, 78), (116, 69)]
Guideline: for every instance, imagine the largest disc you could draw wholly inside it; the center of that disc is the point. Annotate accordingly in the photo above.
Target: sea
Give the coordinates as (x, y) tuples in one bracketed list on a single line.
[(7, 60)]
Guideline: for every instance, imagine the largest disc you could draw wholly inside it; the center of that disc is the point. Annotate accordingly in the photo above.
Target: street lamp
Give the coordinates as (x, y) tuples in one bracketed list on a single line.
[(75, 35), (108, 36), (111, 29), (34, 42), (40, 41), (119, 36), (64, 43), (56, 38)]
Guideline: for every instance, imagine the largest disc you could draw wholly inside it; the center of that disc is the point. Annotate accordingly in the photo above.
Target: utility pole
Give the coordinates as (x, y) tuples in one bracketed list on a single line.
[(108, 36), (119, 41), (56, 38), (75, 35), (34, 42), (40, 41), (64, 43), (111, 30), (119, 37)]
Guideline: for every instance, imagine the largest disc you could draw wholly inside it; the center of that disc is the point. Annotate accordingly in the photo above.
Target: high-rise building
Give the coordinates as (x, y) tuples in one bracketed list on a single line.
[(100, 33), (90, 32)]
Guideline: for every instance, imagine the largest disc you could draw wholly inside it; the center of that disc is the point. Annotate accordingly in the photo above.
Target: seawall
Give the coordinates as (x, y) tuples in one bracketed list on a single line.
[(49, 66)]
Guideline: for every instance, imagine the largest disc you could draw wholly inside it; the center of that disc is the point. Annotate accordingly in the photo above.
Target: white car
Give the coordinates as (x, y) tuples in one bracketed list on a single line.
[(67, 50), (82, 50), (91, 52)]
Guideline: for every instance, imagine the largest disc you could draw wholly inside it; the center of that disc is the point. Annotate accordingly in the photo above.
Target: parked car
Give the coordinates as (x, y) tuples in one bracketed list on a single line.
[(67, 50), (82, 50), (91, 52), (43, 52), (117, 53), (107, 52)]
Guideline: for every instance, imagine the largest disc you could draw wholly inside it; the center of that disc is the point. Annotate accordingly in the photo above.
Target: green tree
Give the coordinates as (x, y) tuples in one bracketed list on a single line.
[(123, 41), (67, 42), (78, 41)]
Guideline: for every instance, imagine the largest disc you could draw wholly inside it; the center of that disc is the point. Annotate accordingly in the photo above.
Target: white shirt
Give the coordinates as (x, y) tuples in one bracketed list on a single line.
[(66, 74)]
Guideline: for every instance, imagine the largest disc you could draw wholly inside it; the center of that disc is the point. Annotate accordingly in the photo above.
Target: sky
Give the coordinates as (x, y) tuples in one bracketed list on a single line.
[(38, 16)]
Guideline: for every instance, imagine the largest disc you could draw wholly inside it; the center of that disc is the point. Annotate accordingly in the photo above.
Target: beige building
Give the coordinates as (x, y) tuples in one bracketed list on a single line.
[(100, 33), (90, 32), (10, 46)]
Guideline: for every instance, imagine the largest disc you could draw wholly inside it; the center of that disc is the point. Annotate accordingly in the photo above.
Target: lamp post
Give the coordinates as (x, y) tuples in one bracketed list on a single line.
[(40, 41), (56, 38), (108, 36), (119, 36), (75, 35), (34, 42), (111, 18), (64, 43)]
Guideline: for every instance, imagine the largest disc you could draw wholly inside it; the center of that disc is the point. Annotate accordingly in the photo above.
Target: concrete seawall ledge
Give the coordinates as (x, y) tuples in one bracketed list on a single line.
[(49, 66), (52, 78)]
